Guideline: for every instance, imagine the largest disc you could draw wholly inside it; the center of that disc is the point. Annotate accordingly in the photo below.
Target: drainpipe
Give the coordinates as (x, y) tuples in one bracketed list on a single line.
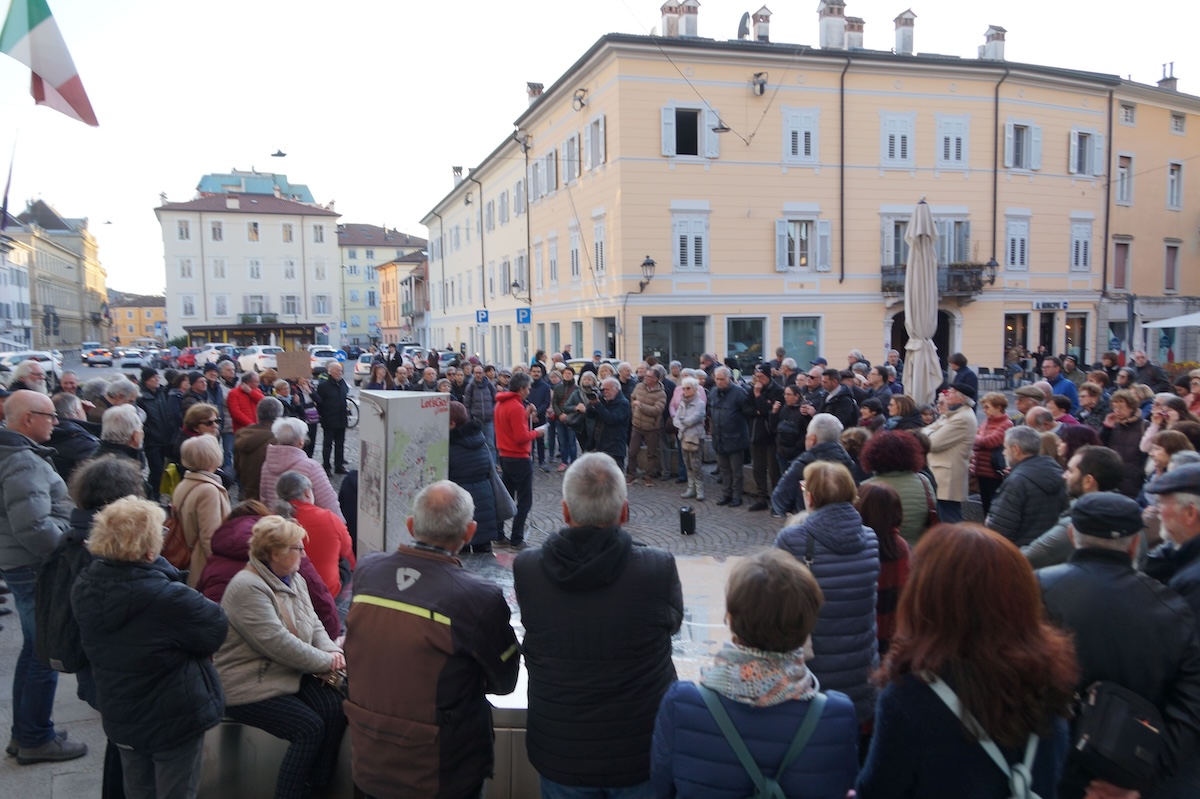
[(1107, 202), (442, 253), (842, 173), (996, 163), (482, 257)]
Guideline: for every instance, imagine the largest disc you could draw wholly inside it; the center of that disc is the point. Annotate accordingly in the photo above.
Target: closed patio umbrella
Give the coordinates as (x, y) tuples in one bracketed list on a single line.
[(922, 371)]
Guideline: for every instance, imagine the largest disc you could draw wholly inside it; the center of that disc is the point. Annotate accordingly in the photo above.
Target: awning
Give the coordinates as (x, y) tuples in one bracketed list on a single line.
[(1187, 320)]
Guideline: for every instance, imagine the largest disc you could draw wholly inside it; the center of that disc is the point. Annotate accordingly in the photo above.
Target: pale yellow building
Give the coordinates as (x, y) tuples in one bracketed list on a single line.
[(771, 186), (139, 317), (404, 299), (363, 249)]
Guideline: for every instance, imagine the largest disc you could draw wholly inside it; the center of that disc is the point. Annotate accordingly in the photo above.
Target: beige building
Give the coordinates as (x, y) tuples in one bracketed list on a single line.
[(404, 299), (363, 249), (137, 316), (771, 186)]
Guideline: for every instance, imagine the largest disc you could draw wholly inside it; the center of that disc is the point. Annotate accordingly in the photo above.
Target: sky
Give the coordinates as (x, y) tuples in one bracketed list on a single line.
[(375, 100)]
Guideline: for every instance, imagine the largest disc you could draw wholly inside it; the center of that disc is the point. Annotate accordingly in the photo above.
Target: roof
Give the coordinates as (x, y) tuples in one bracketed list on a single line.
[(121, 299), (353, 234), (253, 182), (411, 258), (40, 213), (249, 204)]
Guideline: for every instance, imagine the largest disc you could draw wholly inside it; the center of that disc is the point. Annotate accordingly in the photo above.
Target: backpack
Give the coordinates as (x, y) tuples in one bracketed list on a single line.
[(56, 640), (175, 547), (764, 787)]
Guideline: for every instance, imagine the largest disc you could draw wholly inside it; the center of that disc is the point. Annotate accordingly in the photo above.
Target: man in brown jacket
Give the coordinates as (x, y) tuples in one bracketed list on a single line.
[(646, 402), (250, 446)]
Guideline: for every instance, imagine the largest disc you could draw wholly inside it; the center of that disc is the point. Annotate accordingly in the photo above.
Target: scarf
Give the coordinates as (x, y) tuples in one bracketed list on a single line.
[(758, 678)]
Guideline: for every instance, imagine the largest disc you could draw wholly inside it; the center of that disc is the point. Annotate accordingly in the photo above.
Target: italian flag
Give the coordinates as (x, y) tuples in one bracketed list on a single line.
[(31, 36)]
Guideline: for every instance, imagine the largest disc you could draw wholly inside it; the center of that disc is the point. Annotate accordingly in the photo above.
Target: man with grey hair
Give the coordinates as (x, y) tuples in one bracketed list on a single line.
[(450, 627), (1033, 494), (730, 434), (593, 697), (74, 438), (92, 391), (122, 433), (31, 375), (611, 410), (1041, 420), (822, 442), (332, 393), (1177, 561), (250, 446)]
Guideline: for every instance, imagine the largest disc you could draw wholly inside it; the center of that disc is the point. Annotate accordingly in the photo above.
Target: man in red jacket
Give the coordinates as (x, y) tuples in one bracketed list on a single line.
[(243, 400), (513, 437)]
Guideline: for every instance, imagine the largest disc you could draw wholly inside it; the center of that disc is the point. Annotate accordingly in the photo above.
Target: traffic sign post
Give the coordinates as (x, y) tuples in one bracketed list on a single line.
[(481, 317), (524, 317)]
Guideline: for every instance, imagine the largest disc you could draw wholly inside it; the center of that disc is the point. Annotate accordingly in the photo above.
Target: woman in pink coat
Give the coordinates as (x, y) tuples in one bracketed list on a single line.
[(288, 456)]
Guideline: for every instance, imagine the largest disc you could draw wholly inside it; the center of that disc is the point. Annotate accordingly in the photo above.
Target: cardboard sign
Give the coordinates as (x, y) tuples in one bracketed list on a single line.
[(293, 365)]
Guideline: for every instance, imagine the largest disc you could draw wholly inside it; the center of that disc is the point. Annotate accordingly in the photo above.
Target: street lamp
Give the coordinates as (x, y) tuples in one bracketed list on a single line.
[(516, 286), (647, 272), (991, 266)]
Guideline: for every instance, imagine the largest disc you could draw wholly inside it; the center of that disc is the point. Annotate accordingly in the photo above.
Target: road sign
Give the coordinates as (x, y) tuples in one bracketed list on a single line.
[(524, 315), (343, 327), (341, 356), (481, 317), (325, 329), (1114, 343)]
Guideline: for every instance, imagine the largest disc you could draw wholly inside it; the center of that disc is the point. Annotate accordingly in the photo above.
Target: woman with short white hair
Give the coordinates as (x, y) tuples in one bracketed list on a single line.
[(201, 503), (121, 434), (287, 455)]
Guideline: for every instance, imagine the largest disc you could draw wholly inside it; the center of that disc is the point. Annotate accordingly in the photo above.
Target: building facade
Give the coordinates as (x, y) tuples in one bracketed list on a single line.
[(16, 325), (137, 317), (771, 187), (404, 299), (363, 249)]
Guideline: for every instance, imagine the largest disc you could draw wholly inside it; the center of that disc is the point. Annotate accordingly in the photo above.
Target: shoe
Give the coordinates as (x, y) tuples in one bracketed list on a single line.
[(53, 751), (648, 482), (629, 479), (543, 467), (735, 503), (14, 747), (5, 611), (562, 467), (725, 501), (680, 479), (327, 469), (341, 470), (775, 515), (502, 542), (689, 494), (517, 546), (699, 494), (757, 506)]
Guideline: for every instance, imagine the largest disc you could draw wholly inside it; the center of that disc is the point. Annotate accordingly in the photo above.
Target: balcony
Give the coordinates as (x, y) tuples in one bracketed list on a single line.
[(963, 280), (258, 319)]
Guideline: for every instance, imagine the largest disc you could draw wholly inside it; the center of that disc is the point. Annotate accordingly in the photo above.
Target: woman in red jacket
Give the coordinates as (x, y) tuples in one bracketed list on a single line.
[(243, 401), (989, 438)]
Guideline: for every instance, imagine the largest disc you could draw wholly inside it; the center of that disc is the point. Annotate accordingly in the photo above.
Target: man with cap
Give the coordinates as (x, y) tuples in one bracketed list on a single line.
[(821, 362), (593, 365), (1090, 470), (1130, 630), (1032, 495), (951, 442), (1027, 398), (1072, 372), (1177, 561)]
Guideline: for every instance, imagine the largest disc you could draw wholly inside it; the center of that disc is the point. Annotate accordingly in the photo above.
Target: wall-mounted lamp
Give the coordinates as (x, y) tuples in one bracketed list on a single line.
[(580, 99), (527, 299), (467, 199), (758, 84), (522, 138), (990, 269), (647, 272), (721, 127)]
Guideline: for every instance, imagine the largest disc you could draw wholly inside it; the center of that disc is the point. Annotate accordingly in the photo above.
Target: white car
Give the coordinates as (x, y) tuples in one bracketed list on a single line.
[(258, 358), (319, 356), (133, 359), (212, 353), (362, 369), (50, 366)]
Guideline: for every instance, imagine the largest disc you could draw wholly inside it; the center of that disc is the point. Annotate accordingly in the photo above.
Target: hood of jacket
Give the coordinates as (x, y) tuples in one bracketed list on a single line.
[(469, 435), (585, 558), (232, 539), (832, 451), (111, 586), (1043, 472), (507, 396), (838, 527), (11, 442)]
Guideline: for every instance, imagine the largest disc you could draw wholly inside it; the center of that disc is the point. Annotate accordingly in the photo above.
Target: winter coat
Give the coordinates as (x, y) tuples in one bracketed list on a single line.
[(915, 493), (480, 400), (988, 438), (1096, 416), (586, 434), (686, 763), (35, 511), (331, 398), (243, 407), (328, 541), (599, 613), (157, 424), (951, 440), (148, 638), (1178, 567), (174, 410), (758, 412), (786, 498), (1061, 385), (249, 452), (1053, 546), (689, 418), (730, 430), (788, 425), (282, 458), (612, 426), (1029, 500), (1126, 441), (846, 565), (539, 397), (472, 467), (842, 405), (201, 503), (1154, 376), (231, 553), (911, 422), (188, 400), (558, 396), (648, 414), (513, 435), (73, 443), (261, 657)]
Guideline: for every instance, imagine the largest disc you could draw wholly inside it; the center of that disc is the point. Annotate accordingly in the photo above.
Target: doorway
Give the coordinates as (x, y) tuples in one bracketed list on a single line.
[(941, 339), (673, 338)]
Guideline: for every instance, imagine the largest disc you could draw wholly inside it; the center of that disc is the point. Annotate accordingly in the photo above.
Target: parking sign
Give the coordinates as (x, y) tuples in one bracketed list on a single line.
[(481, 317), (524, 315)]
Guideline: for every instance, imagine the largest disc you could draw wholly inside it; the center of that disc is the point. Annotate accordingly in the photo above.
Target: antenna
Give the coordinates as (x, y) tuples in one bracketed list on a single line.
[(744, 26)]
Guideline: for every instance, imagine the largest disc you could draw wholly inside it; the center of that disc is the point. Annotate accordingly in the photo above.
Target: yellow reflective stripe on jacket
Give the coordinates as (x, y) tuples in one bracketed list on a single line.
[(403, 607), (512, 650)]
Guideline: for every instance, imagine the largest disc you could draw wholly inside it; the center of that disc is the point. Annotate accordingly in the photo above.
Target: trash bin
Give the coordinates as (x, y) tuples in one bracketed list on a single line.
[(687, 520)]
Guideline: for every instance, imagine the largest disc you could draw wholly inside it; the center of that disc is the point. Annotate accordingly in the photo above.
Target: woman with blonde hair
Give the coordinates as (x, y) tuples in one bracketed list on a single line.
[(201, 503)]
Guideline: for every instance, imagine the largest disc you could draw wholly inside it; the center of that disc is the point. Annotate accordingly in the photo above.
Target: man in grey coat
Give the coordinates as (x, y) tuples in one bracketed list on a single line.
[(34, 513), (1033, 495), (730, 434)]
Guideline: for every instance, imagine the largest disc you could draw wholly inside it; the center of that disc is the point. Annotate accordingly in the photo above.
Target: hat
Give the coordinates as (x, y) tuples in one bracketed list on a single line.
[(966, 389), (1031, 392), (1183, 479), (596, 352), (210, 367), (506, 372), (1106, 515), (762, 369), (148, 373), (818, 362)]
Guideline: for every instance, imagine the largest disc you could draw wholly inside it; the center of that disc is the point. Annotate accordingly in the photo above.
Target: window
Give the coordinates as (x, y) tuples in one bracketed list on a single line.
[(318, 234), (1178, 123), (371, 253), (1120, 273), (593, 143), (353, 295), (321, 304), (537, 265), (504, 207), (1125, 180), (1128, 114), (574, 256), (254, 267), (185, 230), (369, 272), (291, 305), (1175, 186), (535, 180), (289, 269), (576, 336), (688, 131), (1016, 249), (185, 268), (552, 255), (221, 305), (555, 339), (744, 341), (489, 214), (550, 172), (598, 247), (895, 248), (188, 303), (1081, 246), (521, 275), (954, 241), (129, 314), (896, 139), (1022, 146), (492, 279), (800, 135), (1086, 156), (218, 231), (952, 141), (251, 231), (355, 320), (352, 253), (519, 202), (802, 245), (802, 337), (1171, 267), (373, 298), (255, 304), (319, 269), (288, 233), (149, 315), (689, 236), (570, 159), (505, 278)]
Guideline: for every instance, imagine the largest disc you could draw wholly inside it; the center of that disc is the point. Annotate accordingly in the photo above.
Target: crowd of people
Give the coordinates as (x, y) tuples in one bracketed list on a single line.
[(881, 645)]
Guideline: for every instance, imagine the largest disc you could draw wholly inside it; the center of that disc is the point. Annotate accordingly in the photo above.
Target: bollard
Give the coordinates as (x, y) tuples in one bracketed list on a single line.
[(687, 520)]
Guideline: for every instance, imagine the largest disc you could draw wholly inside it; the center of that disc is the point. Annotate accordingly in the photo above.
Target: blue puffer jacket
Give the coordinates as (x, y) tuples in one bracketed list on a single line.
[(471, 466), (846, 565), (689, 756)]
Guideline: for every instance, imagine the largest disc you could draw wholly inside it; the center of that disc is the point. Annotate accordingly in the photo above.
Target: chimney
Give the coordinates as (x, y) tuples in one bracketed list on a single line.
[(162, 197), (278, 193), (1168, 81), (458, 177), (993, 49), (534, 90), (670, 19), (688, 18), (854, 33), (832, 15), (233, 203), (762, 24), (904, 32)]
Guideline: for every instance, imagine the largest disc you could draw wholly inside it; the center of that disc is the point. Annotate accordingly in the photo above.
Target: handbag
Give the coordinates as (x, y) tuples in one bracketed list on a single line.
[(171, 479), (573, 420), (1119, 736), (506, 508), (932, 518), (999, 463), (175, 546)]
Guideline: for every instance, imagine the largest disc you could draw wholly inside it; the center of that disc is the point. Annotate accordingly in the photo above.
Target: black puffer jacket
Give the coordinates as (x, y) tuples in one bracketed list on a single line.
[(599, 613), (730, 430), (73, 442), (1029, 501), (471, 466), (331, 402), (786, 498), (789, 426), (758, 411), (158, 429), (150, 639)]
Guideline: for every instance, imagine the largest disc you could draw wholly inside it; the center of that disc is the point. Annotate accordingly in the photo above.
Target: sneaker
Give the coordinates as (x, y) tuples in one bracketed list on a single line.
[(543, 467), (629, 479), (502, 542), (725, 500), (517, 546), (735, 503), (53, 751), (757, 506), (13, 746), (562, 467), (648, 482)]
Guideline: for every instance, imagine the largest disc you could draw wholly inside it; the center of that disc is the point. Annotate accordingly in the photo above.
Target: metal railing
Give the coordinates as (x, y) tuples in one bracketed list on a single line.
[(954, 280)]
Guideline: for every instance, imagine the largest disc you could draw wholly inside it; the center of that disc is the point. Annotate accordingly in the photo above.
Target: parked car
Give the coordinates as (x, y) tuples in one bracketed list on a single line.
[(100, 356), (211, 353), (187, 357), (258, 358), (133, 359), (319, 356), (50, 366), (353, 351), (362, 369), (445, 361)]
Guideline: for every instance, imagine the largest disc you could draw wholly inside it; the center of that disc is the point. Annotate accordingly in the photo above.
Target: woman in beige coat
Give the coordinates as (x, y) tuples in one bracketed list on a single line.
[(951, 439), (201, 503)]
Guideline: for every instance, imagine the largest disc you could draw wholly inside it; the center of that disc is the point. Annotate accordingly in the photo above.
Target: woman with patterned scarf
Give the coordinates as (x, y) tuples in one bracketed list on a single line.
[(760, 684)]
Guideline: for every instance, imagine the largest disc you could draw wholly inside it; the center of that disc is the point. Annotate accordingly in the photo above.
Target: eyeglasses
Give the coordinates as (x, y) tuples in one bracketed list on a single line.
[(208, 422), (53, 416), (298, 548)]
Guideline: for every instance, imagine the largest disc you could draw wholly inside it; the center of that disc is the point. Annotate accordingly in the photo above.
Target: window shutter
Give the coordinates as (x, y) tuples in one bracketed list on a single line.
[(712, 141), (791, 136), (1008, 145), (678, 251), (699, 257), (781, 231), (1073, 153), (566, 162), (966, 241), (587, 146), (601, 143), (1099, 156), (887, 242), (945, 244), (824, 245), (668, 131), (1035, 148)]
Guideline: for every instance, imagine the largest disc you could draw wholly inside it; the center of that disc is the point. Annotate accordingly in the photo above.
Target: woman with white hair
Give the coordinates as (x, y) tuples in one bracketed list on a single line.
[(201, 503), (121, 434), (287, 455)]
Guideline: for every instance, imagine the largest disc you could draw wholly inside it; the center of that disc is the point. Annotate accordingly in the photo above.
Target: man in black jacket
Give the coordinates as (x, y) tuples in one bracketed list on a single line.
[(1128, 629), (730, 434), (152, 399), (331, 403), (74, 439), (839, 399), (762, 441), (822, 442), (1032, 495), (593, 696)]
